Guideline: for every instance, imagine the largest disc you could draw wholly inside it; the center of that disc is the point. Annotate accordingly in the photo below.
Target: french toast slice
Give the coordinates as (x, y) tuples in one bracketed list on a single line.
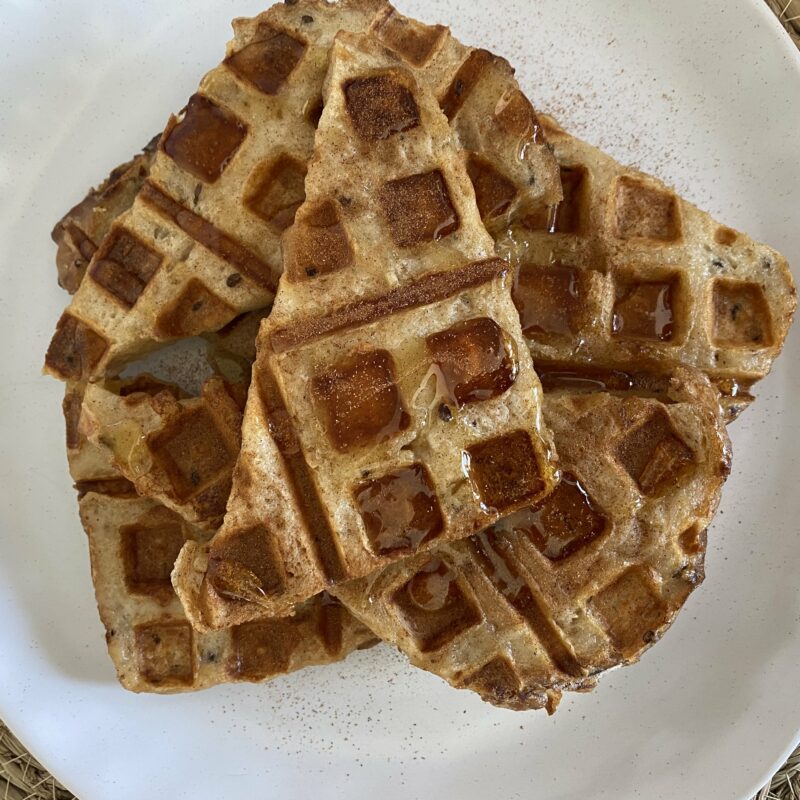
[(391, 371), (625, 279), (175, 449), (133, 542)]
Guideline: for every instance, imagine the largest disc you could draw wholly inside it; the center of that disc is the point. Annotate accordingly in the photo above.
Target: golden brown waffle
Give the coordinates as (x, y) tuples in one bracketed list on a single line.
[(626, 279), (391, 373), (80, 231), (179, 451), (586, 581), (133, 543), (201, 243)]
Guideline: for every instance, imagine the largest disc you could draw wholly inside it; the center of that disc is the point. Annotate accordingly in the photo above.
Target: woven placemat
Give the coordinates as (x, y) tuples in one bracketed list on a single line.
[(788, 12), (22, 777)]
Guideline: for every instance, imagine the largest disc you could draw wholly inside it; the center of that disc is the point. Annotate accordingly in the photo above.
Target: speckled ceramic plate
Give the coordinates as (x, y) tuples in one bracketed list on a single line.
[(706, 95)]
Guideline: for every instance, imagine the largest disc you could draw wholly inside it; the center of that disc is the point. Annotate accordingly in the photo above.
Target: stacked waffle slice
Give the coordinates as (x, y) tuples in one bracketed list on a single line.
[(369, 213)]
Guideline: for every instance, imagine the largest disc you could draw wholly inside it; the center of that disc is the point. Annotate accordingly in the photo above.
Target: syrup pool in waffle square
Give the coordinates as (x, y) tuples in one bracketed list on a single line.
[(424, 416)]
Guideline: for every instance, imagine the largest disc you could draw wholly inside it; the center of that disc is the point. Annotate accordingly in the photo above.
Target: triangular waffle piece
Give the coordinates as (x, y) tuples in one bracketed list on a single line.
[(393, 402), (201, 243), (508, 158), (133, 543), (80, 231), (627, 277), (178, 450), (586, 581)]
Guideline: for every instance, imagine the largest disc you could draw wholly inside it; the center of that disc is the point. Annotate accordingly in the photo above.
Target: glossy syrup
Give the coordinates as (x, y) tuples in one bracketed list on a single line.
[(476, 360), (359, 401), (645, 311), (430, 589), (129, 446), (548, 300), (564, 523), (400, 510), (501, 566)]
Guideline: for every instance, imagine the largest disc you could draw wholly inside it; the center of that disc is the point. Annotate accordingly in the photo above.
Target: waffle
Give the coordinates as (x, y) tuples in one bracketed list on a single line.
[(551, 597), (80, 231), (177, 450), (133, 542), (625, 279), (201, 242), (411, 388)]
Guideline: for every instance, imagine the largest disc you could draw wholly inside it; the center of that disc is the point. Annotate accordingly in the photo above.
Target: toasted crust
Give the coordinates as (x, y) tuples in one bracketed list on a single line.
[(91, 465), (550, 598), (377, 326), (634, 279)]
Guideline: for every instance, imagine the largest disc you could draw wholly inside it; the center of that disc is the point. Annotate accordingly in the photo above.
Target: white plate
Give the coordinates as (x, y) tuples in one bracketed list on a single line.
[(707, 95)]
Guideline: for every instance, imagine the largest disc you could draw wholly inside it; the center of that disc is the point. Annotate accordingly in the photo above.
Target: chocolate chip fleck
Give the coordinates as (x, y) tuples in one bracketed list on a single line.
[(234, 279), (459, 87), (198, 190), (194, 477), (311, 272), (445, 414), (306, 19), (197, 306)]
